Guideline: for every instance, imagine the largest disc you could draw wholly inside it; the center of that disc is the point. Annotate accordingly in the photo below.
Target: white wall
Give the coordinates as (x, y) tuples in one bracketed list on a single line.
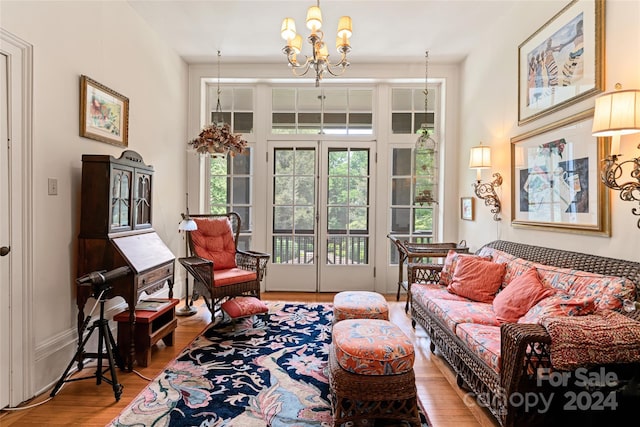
[(489, 113), (108, 42)]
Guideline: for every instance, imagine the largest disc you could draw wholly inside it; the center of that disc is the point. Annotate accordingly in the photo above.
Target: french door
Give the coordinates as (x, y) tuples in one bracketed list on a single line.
[(320, 216)]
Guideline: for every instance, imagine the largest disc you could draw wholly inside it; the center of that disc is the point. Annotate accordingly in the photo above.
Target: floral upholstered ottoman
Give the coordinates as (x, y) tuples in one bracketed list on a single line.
[(359, 305), (371, 372)]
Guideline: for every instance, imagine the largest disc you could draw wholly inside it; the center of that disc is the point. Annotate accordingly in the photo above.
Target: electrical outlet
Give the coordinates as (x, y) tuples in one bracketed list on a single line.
[(53, 187)]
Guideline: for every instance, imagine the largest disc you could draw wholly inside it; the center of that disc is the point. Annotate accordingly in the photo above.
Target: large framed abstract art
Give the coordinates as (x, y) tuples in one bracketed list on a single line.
[(563, 61), (555, 179)]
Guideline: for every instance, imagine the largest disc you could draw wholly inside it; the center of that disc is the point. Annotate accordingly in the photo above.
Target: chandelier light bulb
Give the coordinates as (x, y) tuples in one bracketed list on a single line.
[(344, 27), (288, 29), (314, 18), (296, 44)]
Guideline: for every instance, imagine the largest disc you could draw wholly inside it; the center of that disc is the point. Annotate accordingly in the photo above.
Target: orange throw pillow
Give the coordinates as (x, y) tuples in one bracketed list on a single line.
[(476, 279), (519, 296), (450, 262)]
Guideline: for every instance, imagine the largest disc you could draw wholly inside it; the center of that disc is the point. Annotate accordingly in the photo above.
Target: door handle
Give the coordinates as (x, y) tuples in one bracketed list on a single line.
[(5, 250)]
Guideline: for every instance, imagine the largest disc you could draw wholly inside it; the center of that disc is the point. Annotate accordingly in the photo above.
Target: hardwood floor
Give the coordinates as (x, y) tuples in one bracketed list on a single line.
[(86, 404)]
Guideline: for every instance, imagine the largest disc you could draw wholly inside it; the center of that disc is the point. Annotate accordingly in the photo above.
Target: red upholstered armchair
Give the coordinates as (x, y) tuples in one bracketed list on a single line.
[(221, 270)]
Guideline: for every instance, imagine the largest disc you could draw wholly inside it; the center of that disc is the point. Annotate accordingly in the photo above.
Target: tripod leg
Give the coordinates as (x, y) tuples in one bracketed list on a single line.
[(108, 338), (78, 355), (100, 352), (116, 352)]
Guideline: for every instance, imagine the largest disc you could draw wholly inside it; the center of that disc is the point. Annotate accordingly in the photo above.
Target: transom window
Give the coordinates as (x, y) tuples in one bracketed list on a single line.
[(313, 111), (408, 113), (236, 104)]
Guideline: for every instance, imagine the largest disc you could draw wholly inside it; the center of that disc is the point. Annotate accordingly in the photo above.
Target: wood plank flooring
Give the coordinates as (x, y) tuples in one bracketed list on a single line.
[(83, 403)]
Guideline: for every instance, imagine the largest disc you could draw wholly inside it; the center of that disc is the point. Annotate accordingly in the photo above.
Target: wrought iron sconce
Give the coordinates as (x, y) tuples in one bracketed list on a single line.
[(480, 158), (617, 113)]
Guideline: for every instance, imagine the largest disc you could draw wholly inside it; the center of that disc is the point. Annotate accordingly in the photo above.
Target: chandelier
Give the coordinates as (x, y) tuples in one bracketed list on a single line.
[(319, 59)]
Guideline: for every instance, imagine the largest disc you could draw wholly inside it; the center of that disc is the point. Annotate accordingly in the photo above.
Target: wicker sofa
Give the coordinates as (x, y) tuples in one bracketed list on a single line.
[(525, 348)]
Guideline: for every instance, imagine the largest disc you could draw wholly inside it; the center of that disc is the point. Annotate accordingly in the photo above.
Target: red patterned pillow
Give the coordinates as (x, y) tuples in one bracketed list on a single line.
[(519, 296), (243, 306), (450, 263), (559, 305), (477, 279)]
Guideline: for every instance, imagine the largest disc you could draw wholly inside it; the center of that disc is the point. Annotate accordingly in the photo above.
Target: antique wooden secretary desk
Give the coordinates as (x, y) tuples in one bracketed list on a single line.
[(116, 231)]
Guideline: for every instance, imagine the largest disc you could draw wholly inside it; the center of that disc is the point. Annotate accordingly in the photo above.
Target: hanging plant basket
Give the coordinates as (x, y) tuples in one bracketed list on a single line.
[(218, 141)]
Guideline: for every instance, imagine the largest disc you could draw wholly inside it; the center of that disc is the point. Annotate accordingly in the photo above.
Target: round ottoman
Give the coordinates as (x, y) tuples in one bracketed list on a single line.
[(359, 305), (371, 372)]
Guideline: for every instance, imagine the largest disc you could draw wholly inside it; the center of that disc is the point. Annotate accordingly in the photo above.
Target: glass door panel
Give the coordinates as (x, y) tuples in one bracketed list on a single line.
[(320, 217), (347, 223), (293, 217)]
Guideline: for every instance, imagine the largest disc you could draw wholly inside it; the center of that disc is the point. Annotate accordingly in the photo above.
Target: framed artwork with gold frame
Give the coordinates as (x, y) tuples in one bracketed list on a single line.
[(104, 113), (556, 181), (563, 61)]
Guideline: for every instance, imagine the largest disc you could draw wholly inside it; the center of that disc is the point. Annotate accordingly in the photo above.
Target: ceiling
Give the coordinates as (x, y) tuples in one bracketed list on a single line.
[(383, 31)]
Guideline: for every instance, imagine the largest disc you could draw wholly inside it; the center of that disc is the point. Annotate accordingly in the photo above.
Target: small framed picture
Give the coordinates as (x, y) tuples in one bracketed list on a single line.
[(104, 113), (466, 208)]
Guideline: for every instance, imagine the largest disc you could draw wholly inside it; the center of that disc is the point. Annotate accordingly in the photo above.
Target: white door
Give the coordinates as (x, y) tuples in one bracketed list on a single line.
[(16, 349), (5, 240), (320, 216)]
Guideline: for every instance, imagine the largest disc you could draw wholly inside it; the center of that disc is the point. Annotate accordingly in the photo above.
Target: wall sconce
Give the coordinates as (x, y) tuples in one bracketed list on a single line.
[(480, 158), (617, 113)]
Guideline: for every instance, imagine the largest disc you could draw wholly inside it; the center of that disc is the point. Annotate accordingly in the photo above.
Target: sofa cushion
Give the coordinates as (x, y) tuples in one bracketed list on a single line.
[(608, 292), (519, 296), (450, 263), (483, 340), (559, 305), (421, 292), (514, 266), (477, 279), (452, 313), (231, 276)]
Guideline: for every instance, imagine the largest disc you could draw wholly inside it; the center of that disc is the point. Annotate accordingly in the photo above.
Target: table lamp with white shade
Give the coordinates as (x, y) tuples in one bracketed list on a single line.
[(187, 225)]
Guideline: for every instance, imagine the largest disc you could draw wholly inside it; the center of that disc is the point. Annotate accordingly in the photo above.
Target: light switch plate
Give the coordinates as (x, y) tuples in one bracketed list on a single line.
[(53, 187)]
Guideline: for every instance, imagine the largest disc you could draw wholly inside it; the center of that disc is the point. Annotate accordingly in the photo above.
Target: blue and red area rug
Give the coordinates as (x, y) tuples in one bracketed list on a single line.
[(267, 370)]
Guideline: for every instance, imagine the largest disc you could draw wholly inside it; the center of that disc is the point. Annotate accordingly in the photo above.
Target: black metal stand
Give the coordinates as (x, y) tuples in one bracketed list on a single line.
[(106, 342)]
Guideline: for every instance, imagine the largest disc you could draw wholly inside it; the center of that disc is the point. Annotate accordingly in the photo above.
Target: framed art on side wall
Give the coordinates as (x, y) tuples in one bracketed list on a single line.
[(104, 113), (555, 178), (562, 62), (466, 208)]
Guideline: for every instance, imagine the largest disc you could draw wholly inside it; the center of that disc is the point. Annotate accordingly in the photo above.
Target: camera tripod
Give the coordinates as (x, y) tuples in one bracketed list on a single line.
[(105, 339)]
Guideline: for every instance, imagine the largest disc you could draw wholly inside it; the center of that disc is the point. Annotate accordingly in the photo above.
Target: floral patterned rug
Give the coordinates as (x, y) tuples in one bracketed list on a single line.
[(266, 370)]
